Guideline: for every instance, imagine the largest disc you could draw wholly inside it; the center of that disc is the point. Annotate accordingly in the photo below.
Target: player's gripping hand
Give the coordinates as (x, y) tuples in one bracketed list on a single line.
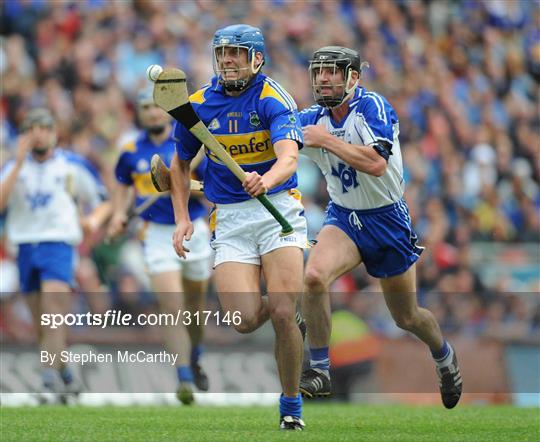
[(183, 232), (117, 225), (315, 136), (254, 184)]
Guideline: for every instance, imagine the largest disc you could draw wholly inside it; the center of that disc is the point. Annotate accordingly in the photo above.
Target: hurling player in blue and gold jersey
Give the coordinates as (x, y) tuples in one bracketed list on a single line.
[(170, 277), (256, 121)]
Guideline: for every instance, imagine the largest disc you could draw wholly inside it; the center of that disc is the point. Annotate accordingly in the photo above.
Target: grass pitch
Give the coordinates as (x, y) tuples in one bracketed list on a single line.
[(328, 422)]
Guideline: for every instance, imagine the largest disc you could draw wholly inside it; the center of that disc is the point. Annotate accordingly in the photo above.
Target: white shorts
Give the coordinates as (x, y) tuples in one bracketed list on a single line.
[(160, 257), (243, 232)]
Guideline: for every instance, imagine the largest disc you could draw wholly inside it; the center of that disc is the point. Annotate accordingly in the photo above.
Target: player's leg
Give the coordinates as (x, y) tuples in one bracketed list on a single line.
[(55, 298), (400, 295), (195, 275), (168, 290), (238, 286), (164, 269), (195, 301), (56, 263), (97, 295), (237, 264), (333, 255), (29, 281), (283, 269), (49, 375)]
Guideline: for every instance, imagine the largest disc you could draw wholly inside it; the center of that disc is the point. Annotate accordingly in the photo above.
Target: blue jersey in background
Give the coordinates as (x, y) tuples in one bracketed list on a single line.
[(133, 168)]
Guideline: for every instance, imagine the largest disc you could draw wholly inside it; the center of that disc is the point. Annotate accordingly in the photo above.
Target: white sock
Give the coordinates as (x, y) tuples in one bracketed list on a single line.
[(323, 371), (446, 361)]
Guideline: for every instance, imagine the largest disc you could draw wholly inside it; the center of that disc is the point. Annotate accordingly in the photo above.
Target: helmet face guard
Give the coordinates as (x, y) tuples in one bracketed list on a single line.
[(40, 117), (238, 37), (221, 71), (339, 90), (333, 59)]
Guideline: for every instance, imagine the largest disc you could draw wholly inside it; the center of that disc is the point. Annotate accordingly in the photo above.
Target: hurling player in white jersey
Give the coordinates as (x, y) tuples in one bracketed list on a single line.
[(43, 189), (352, 135)]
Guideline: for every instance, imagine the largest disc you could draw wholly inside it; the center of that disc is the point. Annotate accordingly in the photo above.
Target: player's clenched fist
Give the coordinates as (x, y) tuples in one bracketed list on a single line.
[(254, 184), (183, 232), (116, 225), (315, 135)]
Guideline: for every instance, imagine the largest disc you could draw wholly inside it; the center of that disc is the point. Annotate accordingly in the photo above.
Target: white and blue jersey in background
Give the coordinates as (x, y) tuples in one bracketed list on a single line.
[(43, 205), (133, 168), (43, 215), (369, 209), (247, 126)]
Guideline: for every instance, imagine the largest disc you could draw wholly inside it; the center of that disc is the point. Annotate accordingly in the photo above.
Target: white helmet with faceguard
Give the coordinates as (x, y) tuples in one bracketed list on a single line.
[(334, 58)]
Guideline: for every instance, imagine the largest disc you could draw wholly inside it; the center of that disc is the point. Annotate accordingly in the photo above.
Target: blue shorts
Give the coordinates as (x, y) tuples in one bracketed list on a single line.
[(384, 236), (45, 261)]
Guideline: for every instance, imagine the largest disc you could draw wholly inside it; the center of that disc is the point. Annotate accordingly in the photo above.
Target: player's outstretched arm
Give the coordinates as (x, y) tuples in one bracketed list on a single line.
[(8, 182), (363, 158), (180, 181)]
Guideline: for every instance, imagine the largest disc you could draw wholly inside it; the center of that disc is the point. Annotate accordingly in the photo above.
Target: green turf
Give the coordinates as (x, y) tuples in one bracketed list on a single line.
[(327, 423)]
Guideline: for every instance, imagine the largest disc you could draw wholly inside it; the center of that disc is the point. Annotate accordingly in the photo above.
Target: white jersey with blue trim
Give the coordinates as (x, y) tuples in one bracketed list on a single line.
[(370, 119), (45, 200)]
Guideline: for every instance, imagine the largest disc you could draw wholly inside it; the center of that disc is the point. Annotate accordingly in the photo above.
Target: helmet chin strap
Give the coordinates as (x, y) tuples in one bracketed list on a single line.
[(349, 92), (350, 89), (255, 70)]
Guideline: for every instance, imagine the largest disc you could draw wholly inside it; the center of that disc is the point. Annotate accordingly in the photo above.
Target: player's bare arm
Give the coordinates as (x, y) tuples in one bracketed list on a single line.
[(363, 158), (286, 164), (197, 160), (92, 222), (6, 187), (180, 179), (120, 196)]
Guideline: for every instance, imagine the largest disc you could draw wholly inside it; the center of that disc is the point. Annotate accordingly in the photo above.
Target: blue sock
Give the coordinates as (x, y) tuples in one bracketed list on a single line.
[(290, 406), (66, 375), (196, 353), (319, 358), (441, 354), (184, 373), (48, 377)]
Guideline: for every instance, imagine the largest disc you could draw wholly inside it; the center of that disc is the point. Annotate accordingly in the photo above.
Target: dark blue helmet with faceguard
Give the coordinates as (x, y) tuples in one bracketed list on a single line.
[(241, 37)]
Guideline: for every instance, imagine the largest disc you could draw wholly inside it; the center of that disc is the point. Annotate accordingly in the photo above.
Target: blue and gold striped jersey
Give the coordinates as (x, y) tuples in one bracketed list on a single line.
[(247, 126), (133, 168)]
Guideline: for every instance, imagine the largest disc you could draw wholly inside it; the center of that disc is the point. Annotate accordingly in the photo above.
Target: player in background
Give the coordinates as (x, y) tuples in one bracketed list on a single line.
[(43, 189), (352, 135), (177, 284), (256, 122)]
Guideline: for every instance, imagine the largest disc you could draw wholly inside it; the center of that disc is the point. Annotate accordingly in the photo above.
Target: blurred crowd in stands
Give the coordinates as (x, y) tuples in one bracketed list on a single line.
[(463, 76)]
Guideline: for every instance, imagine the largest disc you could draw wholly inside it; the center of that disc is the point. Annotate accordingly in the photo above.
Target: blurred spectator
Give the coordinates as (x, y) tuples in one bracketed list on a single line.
[(464, 78)]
